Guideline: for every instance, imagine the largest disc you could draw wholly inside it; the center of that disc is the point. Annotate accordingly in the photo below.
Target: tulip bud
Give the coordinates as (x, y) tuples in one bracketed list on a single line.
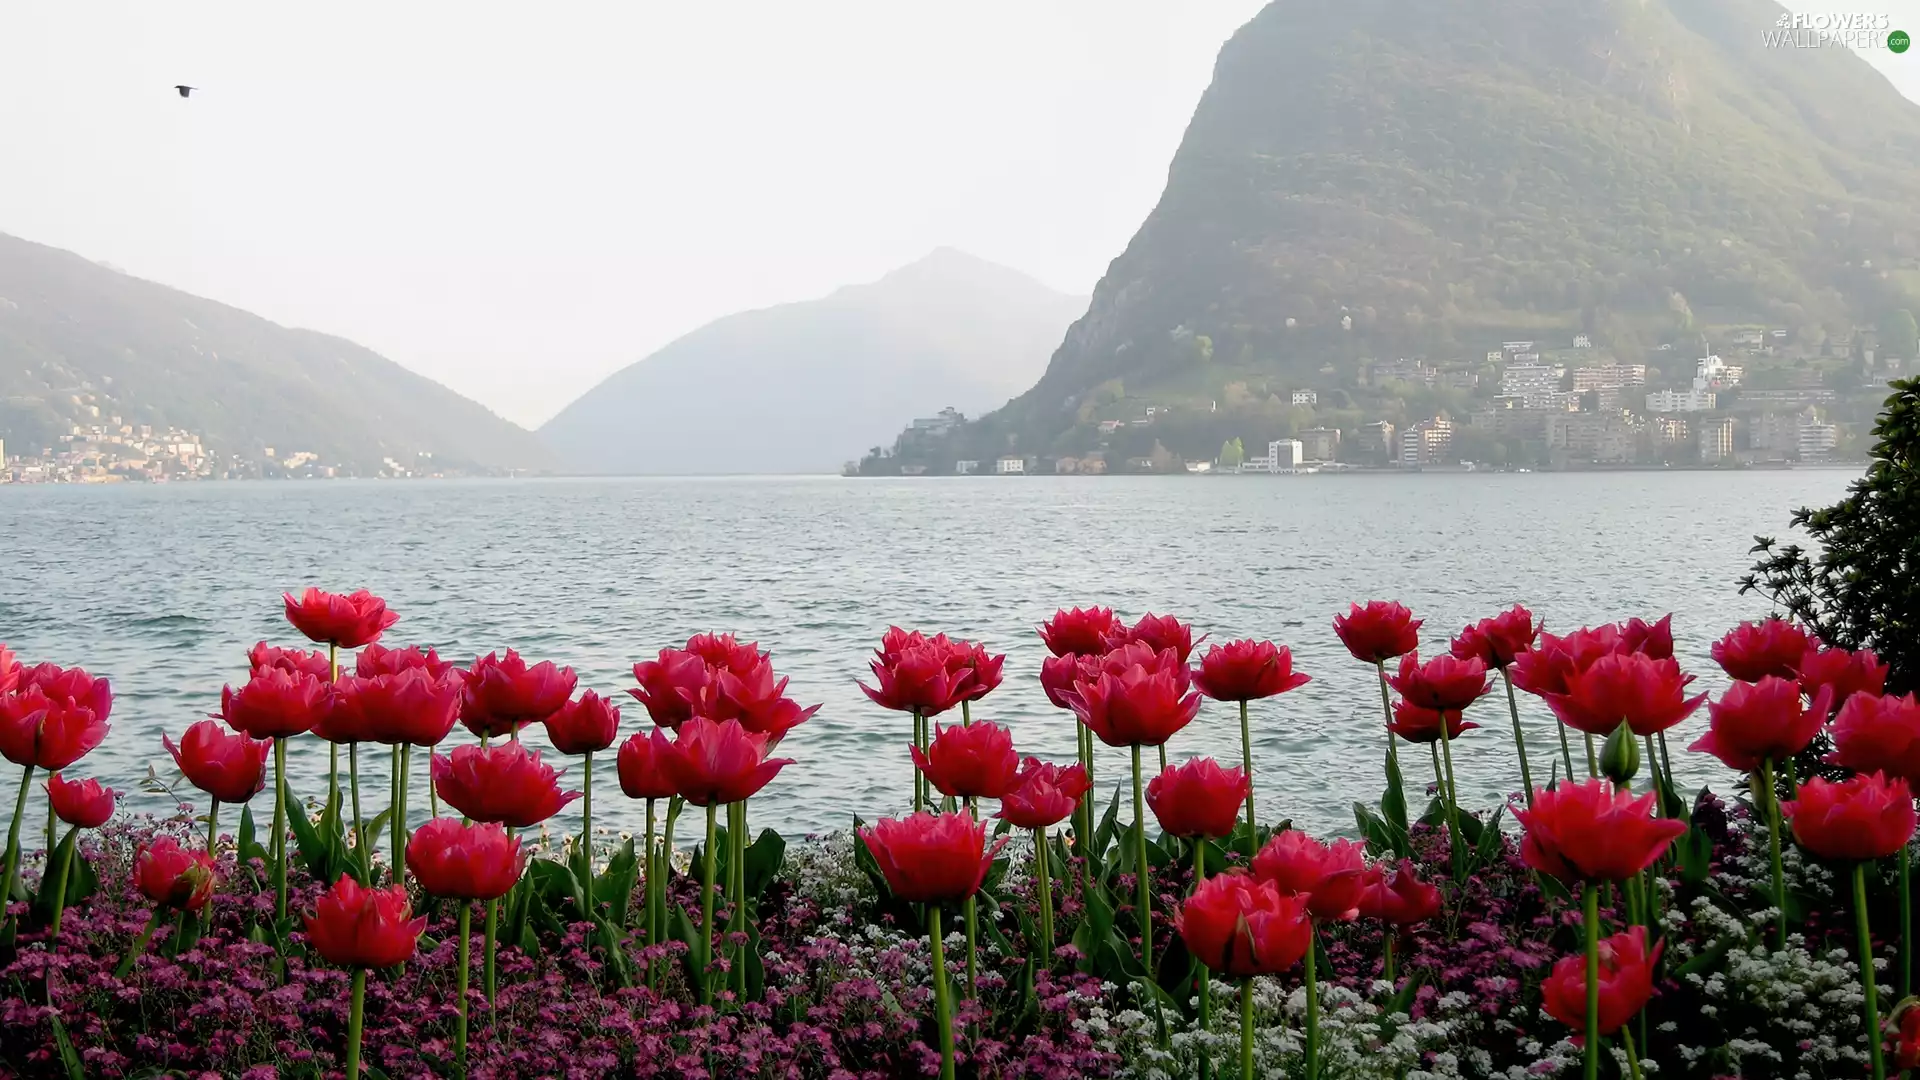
[(1620, 758)]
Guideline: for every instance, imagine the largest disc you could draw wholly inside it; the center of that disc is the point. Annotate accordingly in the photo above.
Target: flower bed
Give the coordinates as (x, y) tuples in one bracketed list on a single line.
[(1721, 935)]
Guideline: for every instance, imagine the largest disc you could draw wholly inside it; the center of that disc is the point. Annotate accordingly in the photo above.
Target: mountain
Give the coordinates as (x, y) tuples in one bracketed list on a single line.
[(804, 387), (1382, 178), (76, 336)]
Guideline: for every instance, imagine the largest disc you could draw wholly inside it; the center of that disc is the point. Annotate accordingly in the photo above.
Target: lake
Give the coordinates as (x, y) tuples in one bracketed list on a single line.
[(163, 589)]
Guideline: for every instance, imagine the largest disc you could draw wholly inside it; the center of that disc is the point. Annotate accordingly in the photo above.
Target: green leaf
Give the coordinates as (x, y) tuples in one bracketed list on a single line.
[(43, 896), (68, 1058), (688, 933), (1694, 851), (762, 863), (614, 887), (1393, 801), (1707, 959), (318, 851), (756, 967)]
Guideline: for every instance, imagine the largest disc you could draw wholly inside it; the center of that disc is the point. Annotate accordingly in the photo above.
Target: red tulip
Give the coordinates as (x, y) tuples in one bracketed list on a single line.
[(375, 660), (1329, 876), (985, 668), (80, 802), (364, 928), (504, 694), (642, 766), (1078, 631), (1755, 721), (226, 765), (978, 761), (1044, 794), (1878, 732), (1844, 672), (9, 670), (717, 762), (264, 657), (585, 725), (1247, 670), (465, 862), (723, 652), (1498, 640), (1593, 831), (1396, 895), (1415, 724), (1906, 1046), (348, 621), (754, 698), (1198, 798), (506, 783), (1240, 926), (1648, 695), (1136, 701), (276, 704), (1059, 673), (1863, 817), (670, 685), (1379, 631), (1752, 651), (919, 678), (54, 717), (1625, 977), (173, 876), (1652, 640), (931, 858), (410, 705), (1444, 683), (1157, 632)]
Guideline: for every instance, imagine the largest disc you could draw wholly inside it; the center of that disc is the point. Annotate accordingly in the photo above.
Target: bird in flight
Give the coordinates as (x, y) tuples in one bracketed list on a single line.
[(185, 90)]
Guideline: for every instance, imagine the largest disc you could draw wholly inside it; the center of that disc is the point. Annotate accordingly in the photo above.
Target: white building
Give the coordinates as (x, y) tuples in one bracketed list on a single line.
[(966, 468), (1306, 397), (1010, 466), (1538, 385), (1817, 440), (1285, 455), (948, 419), (1689, 400)]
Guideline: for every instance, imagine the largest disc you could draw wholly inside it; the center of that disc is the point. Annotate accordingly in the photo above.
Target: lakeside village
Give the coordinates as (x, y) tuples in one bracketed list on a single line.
[(1760, 398), (114, 452)]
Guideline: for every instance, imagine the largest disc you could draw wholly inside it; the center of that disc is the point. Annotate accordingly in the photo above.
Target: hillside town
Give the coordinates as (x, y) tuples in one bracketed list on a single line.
[(1754, 398), (114, 452)]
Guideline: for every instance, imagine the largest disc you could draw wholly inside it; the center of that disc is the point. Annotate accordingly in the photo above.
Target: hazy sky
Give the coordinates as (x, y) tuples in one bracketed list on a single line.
[(518, 199)]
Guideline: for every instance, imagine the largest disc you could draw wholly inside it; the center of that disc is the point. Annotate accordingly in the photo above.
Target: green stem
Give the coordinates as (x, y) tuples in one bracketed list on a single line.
[(1386, 966), (586, 815), (60, 883), (1045, 877), (1906, 923), (1246, 765), (354, 1020), (1163, 756), (1566, 751), (653, 877), (51, 817), (1591, 895), (1141, 871), (13, 843), (1869, 982), (919, 780), (406, 794), (1519, 737), (1773, 849), (1666, 763), (1206, 977), (1313, 1005), (359, 823), (487, 959), (942, 993), (966, 714), (1084, 832), (460, 991), (706, 908), (1453, 807), (1246, 1029), (213, 839), (1386, 706), (280, 827), (737, 876), (139, 944), (1633, 1052), (1593, 760), (394, 795)]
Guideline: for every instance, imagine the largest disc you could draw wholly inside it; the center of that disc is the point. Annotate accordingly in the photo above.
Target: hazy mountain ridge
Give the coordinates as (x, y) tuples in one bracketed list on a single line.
[(70, 328), (805, 387), (1444, 177)]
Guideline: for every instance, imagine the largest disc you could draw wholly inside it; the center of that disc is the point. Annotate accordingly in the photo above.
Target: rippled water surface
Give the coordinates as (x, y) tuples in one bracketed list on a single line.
[(162, 589)]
